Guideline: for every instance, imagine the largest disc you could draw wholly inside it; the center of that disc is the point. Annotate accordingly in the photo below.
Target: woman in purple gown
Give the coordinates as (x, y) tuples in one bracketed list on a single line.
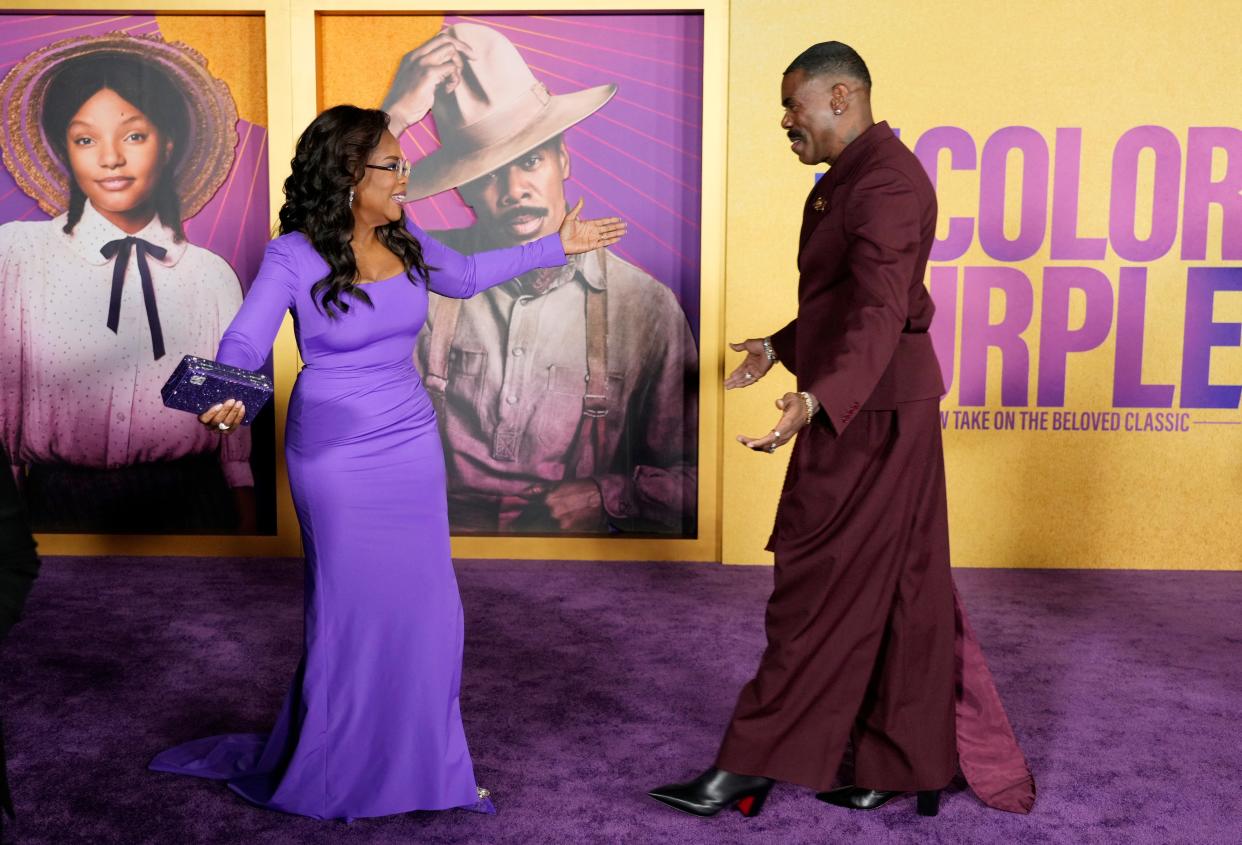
[(371, 725)]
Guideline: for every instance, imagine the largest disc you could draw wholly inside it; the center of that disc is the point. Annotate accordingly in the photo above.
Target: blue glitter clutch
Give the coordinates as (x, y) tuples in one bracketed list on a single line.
[(199, 383)]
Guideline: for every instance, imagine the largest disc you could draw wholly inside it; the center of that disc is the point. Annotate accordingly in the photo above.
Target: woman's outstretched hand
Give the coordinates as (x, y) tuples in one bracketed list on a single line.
[(586, 235)]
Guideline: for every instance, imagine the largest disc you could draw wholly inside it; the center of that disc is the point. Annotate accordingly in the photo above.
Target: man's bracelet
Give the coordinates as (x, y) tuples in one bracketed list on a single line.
[(768, 350), (809, 401)]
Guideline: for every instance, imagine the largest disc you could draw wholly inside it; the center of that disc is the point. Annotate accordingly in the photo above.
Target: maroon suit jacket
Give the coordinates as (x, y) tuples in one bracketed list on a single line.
[(860, 339)]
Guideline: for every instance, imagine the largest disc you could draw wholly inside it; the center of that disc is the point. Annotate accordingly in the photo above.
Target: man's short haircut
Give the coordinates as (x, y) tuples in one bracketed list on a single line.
[(831, 57)]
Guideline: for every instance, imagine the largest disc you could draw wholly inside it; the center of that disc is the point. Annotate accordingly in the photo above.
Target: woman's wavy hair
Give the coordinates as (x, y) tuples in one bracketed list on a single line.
[(328, 162), (138, 81)]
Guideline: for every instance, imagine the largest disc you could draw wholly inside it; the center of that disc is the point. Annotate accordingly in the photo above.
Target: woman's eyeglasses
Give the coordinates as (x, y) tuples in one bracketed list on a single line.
[(400, 169)]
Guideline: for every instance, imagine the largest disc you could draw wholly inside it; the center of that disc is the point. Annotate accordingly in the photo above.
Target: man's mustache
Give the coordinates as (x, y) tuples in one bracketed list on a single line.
[(794, 135), (509, 215)]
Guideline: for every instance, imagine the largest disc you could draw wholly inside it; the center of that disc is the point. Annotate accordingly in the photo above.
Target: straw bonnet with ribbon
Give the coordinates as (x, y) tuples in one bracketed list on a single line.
[(207, 154), (498, 111)]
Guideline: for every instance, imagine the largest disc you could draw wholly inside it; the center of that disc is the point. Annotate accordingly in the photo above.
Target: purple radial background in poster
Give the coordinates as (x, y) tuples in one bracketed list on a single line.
[(233, 224), (639, 157)]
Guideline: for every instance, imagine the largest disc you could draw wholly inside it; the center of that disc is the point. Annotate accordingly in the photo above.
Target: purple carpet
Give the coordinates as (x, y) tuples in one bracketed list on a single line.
[(586, 684)]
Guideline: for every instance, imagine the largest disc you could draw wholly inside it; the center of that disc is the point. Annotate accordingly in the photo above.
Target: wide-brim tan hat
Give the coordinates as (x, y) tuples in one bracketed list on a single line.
[(498, 111), (206, 157)]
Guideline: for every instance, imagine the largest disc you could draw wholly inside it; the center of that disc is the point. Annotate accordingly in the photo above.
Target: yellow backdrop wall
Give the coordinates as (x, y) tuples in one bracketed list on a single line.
[(1072, 498), (1134, 213)]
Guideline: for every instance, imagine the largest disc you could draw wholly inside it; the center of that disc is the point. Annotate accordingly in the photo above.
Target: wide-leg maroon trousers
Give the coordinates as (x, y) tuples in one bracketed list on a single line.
[(860, 625)]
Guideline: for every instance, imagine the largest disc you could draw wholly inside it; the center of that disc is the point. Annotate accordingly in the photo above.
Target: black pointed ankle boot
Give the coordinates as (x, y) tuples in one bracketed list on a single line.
[(854, 798), (714, 790)]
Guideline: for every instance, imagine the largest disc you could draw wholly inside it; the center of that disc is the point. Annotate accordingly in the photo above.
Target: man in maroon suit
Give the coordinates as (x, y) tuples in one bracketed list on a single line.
[(860, 624)]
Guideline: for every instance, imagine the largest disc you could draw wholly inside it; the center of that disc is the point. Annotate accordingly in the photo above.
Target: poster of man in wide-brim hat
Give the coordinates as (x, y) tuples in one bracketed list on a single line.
[(568, 398)]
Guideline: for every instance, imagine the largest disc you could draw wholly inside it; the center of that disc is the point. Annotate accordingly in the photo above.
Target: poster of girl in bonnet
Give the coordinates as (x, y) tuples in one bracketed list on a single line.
[(119, 139)]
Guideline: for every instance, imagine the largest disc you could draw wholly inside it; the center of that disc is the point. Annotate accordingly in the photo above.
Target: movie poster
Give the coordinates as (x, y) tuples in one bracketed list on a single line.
[(567, 398), (133, 214)]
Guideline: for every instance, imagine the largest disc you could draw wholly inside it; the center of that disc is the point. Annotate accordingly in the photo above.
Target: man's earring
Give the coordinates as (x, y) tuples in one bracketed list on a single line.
[(836, 111), (351, 190)]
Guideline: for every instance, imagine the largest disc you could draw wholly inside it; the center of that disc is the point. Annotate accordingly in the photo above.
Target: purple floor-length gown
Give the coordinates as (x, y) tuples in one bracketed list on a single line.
[(372, 724)]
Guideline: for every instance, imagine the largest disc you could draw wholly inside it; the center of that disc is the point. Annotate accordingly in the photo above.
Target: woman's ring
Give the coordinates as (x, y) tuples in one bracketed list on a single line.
[(223, 426)]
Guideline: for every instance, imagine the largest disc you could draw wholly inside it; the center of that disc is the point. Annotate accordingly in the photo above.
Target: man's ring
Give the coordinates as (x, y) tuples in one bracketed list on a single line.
[(778, 433), (771, 448), (223, 426), (749, 375)]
